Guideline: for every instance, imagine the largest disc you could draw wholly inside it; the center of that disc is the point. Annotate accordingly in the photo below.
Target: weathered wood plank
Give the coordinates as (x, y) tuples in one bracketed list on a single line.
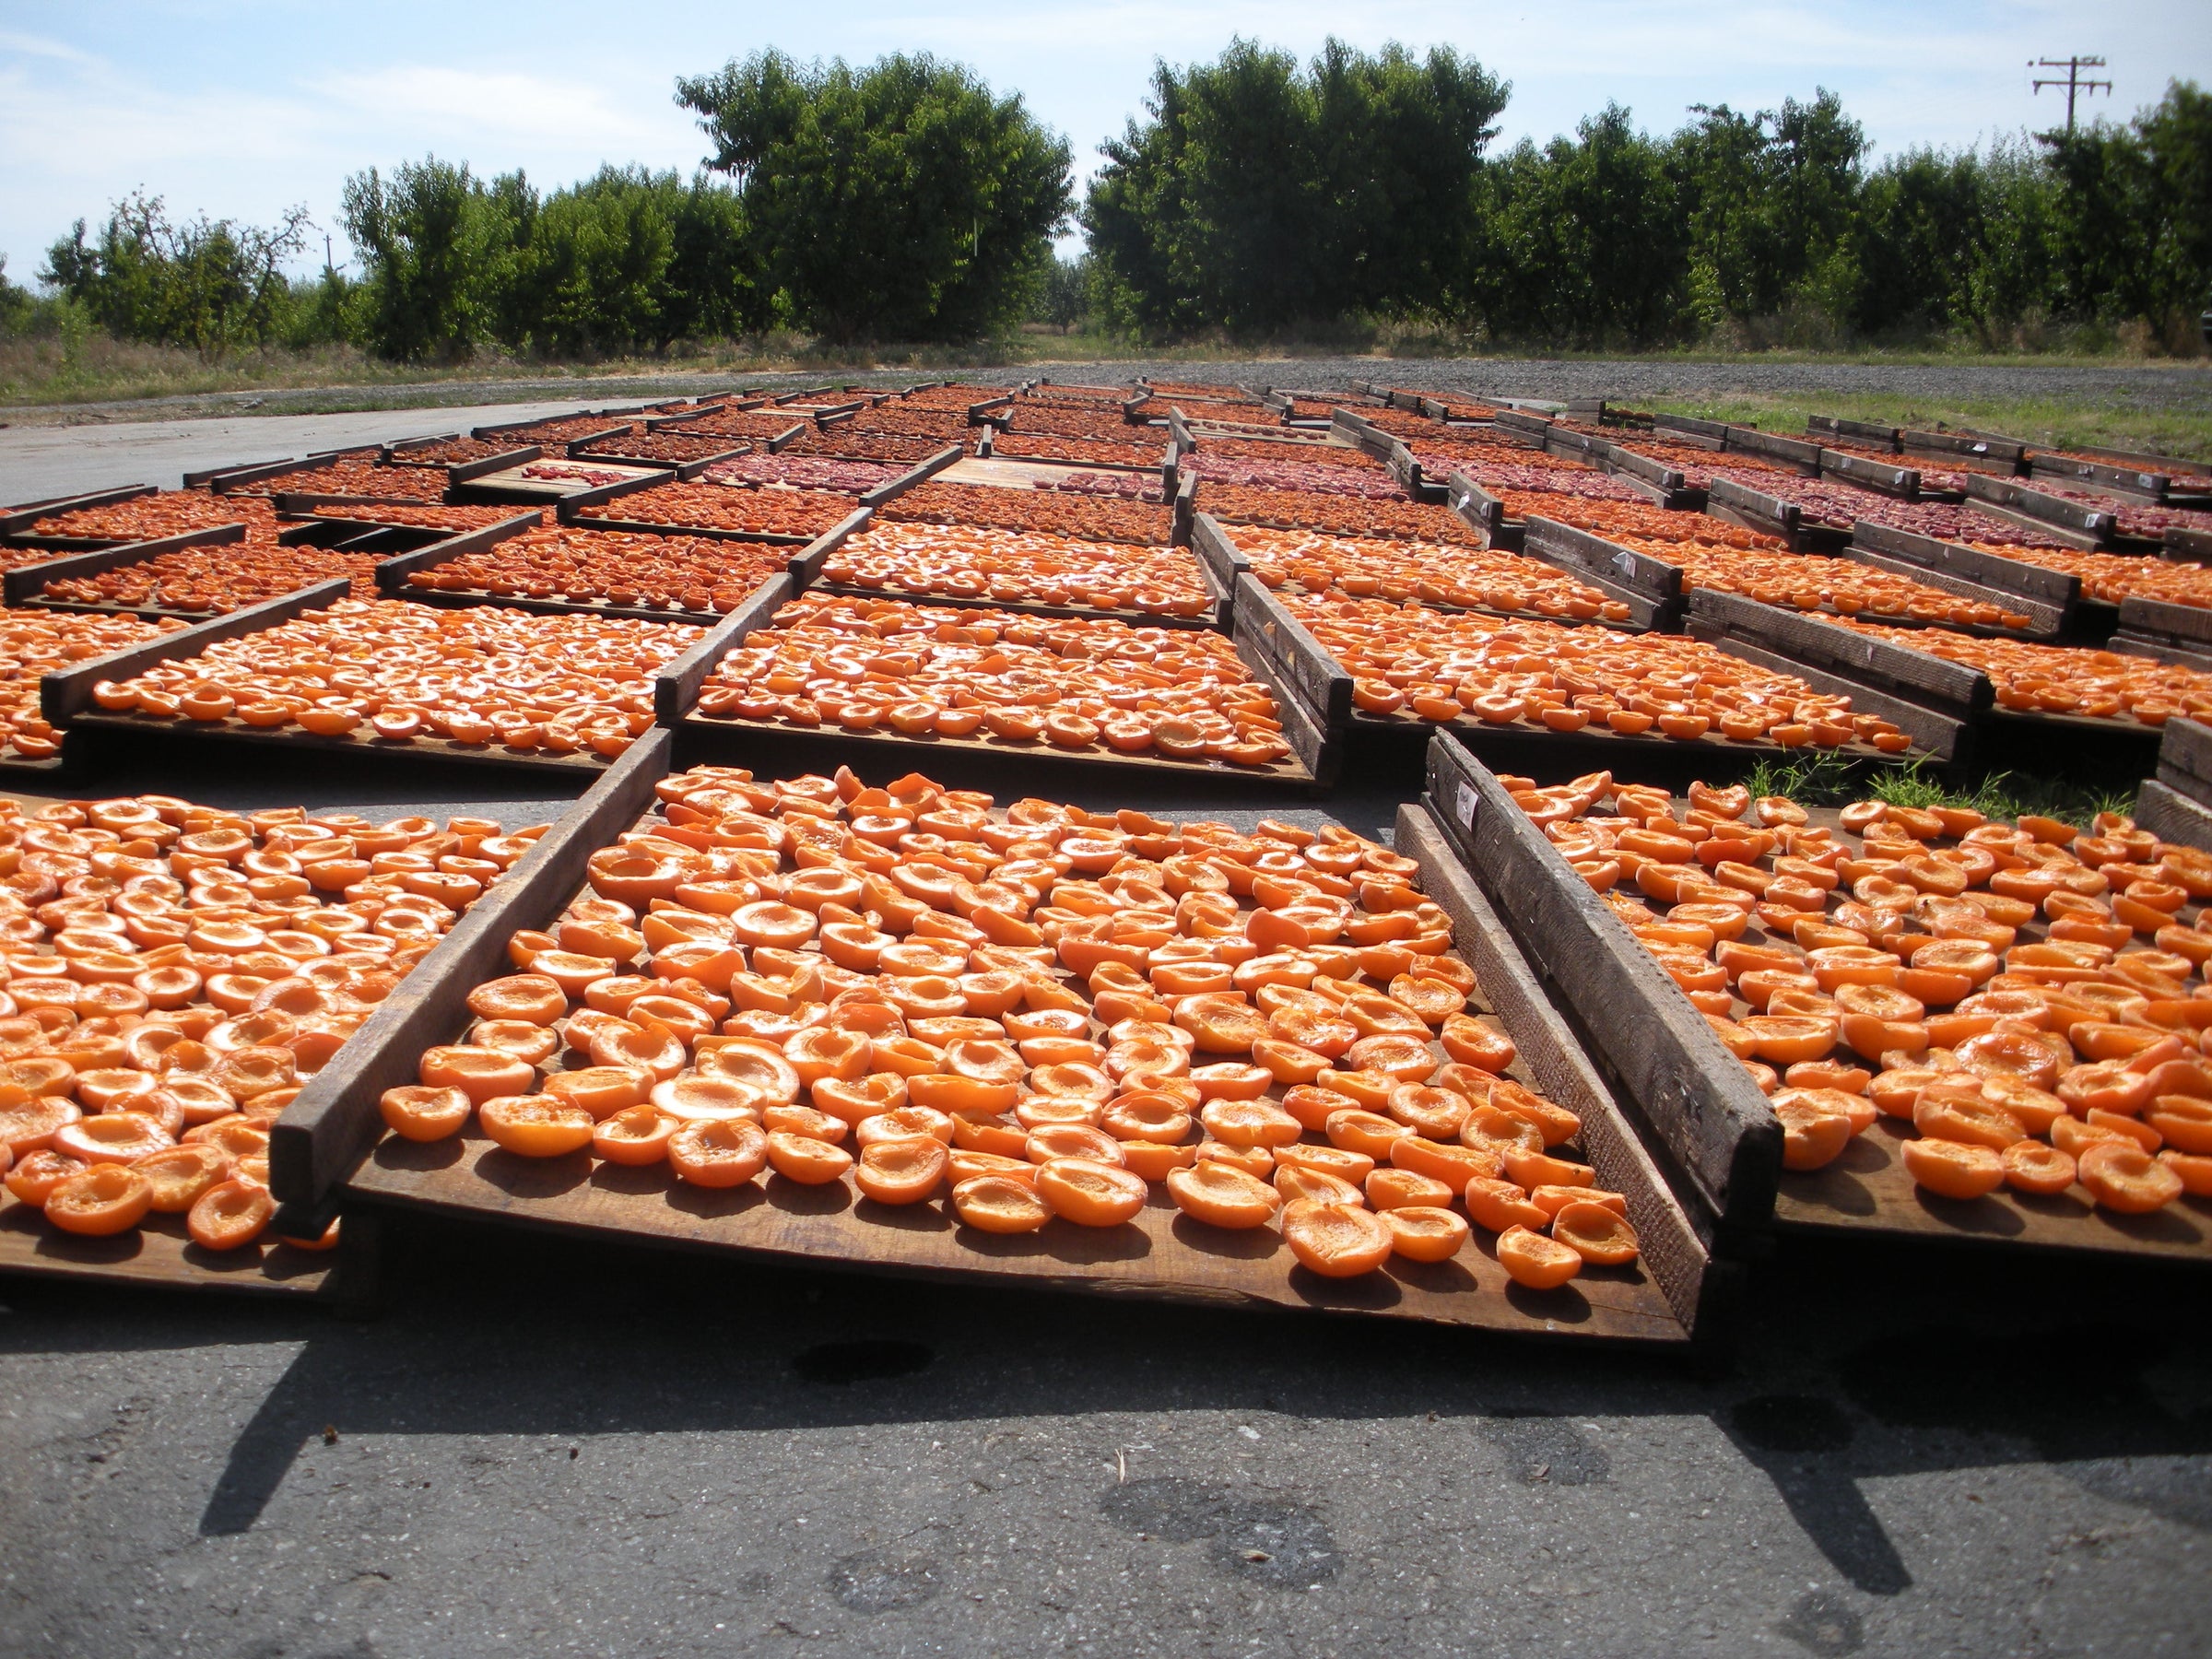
[(332, 1123), (1913, 674), (890, 489), (2189, 626), (1900, 481), (2044, 621), (391, 573), (25, 514), (27, 582), (2052, 588), (2173, 812), (676, 687), (1677, 1255), (68, 692), (1664, 1062), (1944, 736), (2040, 506), (1314, 677)]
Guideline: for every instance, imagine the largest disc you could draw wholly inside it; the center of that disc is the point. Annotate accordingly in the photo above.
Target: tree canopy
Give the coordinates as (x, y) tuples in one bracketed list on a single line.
[(904, 200)]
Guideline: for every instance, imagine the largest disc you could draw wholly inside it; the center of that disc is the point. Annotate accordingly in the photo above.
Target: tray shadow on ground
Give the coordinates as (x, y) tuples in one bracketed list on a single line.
[(529, 1335)]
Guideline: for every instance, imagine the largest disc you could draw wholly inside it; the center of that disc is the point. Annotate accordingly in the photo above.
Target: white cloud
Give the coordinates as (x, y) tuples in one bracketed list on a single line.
[(24, 45), (510, 106)]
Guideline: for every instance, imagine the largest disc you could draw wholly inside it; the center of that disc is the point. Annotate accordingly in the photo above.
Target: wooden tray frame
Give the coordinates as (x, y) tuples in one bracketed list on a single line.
[(1953, 704), (157, 1254), (329, 1151), (1585, 952), (66, 700), (2009, 578), (19, 518), (1313, 765)]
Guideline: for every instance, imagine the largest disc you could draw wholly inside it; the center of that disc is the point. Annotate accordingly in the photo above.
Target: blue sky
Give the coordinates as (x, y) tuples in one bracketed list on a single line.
[(242, 107)]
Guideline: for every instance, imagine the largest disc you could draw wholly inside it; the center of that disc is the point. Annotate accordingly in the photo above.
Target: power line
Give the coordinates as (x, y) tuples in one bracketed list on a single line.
[(2072, 83)]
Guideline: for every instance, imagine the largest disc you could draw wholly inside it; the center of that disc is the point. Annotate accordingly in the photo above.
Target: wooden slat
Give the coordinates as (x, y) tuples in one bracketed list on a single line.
[(68, 692), (1218, 556), (22, 516), (27, 582), (1758, 510), (391, 573), (806, 564), (1642, 468), (2136, 483), (2044, 622), (2188, 547), (463, 472), (1674, 1249), (1314, 677), (1666, 1062), (2054, 588), (1714, 432), (1944, 736), (332, 1123), (1962, 448), (1939, 684), (1521, 424), (567, 506), (1772, 446), (2186, 756), (892, 488), (2039, 506), (676, 687), (158, 1255), (1480, 509), (2175, 814), (2188, 625), (1902, 481), (1580, 551), (1867, 431)]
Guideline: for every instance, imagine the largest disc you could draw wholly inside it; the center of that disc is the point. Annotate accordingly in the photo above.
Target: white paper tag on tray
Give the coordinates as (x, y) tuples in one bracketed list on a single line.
[(1464, 802)]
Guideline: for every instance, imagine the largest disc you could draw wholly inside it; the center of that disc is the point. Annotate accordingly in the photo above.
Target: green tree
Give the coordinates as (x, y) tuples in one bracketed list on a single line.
[(1257, 195), (440, 250), (1770, 199), (2176, 137), (213, 285), (17, 305), (1064, 299), (900, 201), (1583, 240)]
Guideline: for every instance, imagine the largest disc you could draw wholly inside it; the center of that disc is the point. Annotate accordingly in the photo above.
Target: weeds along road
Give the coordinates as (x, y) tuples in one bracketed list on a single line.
[(58, 450)]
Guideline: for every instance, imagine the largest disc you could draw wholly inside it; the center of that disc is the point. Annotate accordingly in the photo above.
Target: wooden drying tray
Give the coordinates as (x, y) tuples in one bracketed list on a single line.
[(769, 746), (1223, 560), (1709, 1112), (17, 519), (318, 1151), (391, 576), (807, 571), (65, 698), (1948, 706), (158, 1255), (1588, 749)]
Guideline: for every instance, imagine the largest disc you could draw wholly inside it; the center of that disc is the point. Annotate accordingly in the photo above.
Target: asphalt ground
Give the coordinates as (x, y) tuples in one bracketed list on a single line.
[(539, 1444)]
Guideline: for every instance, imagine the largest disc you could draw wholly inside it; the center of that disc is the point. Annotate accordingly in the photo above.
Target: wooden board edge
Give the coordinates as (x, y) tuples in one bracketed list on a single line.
[(1943, 735), (1673, 1252), (1692, 1094), (69, 692), (330, 1126)]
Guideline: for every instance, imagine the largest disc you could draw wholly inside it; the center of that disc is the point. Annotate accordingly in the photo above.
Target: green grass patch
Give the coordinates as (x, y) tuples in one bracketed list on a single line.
[(2051, 422)]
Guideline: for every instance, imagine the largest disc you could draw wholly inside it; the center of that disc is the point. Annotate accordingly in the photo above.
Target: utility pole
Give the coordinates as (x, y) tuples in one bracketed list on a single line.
[(2072, 83)]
